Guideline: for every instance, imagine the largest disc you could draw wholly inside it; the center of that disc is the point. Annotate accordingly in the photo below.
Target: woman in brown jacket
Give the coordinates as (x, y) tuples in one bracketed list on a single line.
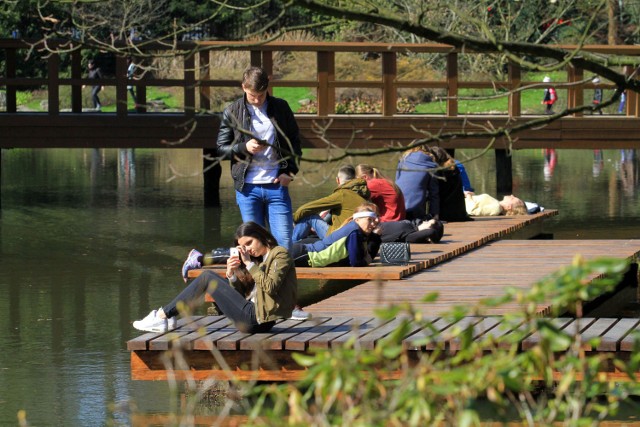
[(272, 296)]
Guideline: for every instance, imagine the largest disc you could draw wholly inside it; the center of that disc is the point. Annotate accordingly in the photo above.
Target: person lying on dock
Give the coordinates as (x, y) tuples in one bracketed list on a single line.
[(416, 231), (485, 205), (270, 295), (354, 244)]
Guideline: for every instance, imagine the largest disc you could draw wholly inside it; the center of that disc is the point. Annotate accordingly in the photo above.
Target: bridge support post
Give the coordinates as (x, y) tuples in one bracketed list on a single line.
[(212, 171), (504, 180)]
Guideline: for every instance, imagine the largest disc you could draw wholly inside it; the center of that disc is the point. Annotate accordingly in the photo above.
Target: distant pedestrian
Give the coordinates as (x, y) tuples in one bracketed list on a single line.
[(597, 94), (95, 73), (131, 70), (623, 102), (550, 96)]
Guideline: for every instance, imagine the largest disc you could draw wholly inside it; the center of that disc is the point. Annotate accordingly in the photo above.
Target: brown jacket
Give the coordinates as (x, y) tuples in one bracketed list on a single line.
[(342, 202), (276, 286)]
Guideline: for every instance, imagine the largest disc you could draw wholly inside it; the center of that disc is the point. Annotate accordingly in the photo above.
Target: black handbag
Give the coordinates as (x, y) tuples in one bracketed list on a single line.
[(395, 253)]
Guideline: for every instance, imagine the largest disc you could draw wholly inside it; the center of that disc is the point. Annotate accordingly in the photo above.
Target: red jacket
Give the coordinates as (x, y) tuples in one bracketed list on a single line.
[(390, 204), (550, 96)]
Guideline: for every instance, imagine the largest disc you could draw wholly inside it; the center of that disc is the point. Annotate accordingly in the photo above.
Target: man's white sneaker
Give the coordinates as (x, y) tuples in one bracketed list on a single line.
[(299, 314), (153, 323)]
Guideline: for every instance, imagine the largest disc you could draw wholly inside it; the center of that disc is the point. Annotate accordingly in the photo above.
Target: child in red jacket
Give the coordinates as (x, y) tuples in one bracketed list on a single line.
[(550, 96)]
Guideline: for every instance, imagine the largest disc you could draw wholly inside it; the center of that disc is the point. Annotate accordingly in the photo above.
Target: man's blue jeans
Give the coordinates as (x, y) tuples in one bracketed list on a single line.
[(262, 203), (304, 226)]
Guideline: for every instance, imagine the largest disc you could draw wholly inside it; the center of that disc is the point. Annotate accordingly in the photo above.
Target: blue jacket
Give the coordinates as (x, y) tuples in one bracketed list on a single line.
[(346, 246), (418, 185)]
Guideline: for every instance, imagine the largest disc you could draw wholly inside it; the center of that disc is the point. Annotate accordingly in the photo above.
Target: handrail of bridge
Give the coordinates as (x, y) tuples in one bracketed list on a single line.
[(197, 82)]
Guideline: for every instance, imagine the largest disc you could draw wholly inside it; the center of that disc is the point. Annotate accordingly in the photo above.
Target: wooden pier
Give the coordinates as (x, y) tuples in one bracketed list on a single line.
[(470, 264), (458, 238)]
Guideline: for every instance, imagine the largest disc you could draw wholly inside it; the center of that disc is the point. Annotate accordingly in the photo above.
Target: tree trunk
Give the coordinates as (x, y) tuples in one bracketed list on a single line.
[(612, 12)]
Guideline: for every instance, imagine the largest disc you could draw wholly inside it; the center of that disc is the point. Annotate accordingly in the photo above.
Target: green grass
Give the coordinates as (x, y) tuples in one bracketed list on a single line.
[(172, 98), (293, 95)]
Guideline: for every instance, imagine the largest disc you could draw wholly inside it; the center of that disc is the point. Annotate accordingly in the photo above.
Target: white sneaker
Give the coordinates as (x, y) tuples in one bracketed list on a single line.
[(426, 224), (153, 323), (299, 314)]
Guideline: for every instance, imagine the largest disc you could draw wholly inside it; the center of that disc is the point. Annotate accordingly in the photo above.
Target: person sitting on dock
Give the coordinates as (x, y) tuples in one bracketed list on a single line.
[(354, 244), (451, 185), (485, 205), (384, 193), (271, 295), (416, 177), (341, 204)]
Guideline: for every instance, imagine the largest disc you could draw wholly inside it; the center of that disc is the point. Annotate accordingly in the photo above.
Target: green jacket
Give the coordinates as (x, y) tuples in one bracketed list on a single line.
[(342, 202), (276, 286)]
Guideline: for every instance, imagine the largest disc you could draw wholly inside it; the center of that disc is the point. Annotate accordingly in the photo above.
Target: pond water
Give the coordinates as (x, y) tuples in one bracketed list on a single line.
[(91, 240)]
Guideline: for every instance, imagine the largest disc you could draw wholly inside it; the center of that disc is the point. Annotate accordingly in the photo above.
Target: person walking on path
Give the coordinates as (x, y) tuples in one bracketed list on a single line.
[(260, 136), (131, 70), (550, 96), (261, 287), (95, 73), (597, 94)]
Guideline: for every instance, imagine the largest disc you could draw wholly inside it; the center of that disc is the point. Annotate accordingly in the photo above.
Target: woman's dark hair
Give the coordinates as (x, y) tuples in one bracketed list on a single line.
[(440, 155), (251, 229)]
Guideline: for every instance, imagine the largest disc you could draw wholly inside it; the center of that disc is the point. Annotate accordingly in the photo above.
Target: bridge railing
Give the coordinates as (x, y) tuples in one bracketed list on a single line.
[(197, 83)]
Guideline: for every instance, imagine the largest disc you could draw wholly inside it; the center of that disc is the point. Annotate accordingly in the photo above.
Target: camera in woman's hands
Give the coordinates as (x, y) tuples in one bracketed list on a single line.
[(234, 252)]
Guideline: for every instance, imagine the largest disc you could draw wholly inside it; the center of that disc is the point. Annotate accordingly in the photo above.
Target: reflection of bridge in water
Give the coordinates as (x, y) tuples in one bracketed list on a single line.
[(195, 126)]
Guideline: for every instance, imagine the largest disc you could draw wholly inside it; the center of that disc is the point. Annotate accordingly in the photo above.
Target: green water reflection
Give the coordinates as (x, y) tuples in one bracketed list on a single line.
[(92, 239)]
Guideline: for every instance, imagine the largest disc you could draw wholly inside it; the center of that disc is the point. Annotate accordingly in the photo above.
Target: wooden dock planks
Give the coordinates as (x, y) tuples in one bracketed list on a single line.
[(210, 347), (459, 238), (481, 273), (269, 356)]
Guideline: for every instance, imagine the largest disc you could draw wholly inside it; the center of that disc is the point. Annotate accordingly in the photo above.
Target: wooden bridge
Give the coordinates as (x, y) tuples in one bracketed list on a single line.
[(195, 126), (460, 271)]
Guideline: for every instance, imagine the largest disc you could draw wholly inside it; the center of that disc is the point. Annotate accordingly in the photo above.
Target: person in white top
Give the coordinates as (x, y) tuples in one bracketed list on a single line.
[(260, 136)]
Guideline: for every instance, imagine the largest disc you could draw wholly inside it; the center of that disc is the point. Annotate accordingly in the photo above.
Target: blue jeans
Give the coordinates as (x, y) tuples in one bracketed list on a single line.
[(262, 203), (304, 226)]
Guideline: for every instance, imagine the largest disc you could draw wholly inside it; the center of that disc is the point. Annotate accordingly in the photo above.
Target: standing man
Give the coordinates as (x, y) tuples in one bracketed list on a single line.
[(131, 71), (260, 136), (95, 73)]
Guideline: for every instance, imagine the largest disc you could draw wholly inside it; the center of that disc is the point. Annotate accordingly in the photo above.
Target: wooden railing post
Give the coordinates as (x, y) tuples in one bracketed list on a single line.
[(326, 74), (389, 75), (515, 98), (452, 84), (121, 86), (11, 74), (76, 73), (189, 85), (575, 95), (267, 62), (205, 91), (633, 109), (256, 58), (53, 89)]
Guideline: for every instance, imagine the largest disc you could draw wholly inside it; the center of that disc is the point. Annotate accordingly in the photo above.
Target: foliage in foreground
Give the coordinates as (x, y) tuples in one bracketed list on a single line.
[(554, 381)]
